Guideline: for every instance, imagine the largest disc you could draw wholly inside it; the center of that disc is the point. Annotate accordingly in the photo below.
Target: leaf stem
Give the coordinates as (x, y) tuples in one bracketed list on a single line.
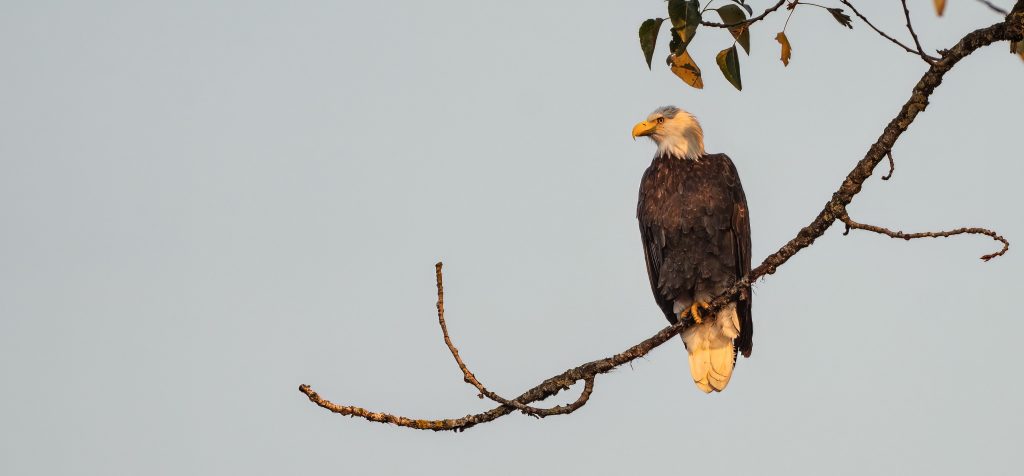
[(784, 25)]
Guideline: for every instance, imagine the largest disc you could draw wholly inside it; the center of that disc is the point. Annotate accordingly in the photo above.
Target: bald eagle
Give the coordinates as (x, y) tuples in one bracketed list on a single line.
[(695, 229)]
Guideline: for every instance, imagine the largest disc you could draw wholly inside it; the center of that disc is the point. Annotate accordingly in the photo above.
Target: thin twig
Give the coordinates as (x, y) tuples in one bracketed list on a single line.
[(850, 223), (892, 168), (748, 21), (994, 7), (923, 56), (913, 34), (468, 376)]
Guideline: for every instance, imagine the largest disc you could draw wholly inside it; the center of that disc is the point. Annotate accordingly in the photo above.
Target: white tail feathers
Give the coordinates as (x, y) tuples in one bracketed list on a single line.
[(711, 349)]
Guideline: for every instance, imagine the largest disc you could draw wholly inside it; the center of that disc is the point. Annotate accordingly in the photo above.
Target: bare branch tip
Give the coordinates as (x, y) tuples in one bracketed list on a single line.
[(994, 7), (892, 166), (899, 234)]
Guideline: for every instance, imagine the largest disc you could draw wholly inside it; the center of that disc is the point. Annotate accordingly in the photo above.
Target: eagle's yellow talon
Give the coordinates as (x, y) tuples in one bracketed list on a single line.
[(695, 310)]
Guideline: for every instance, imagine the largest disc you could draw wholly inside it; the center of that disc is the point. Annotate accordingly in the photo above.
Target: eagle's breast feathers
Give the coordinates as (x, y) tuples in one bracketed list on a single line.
[(695, 228)]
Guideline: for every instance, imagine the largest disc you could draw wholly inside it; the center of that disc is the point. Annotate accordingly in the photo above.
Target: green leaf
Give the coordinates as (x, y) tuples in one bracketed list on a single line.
[(744, 38), (732, 14), (685, 17), (729, 62), (841, 17), (649, 37), (746, 7)]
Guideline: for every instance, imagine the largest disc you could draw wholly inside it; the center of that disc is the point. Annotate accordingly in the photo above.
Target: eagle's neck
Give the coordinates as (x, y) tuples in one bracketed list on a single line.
[(687, 143)]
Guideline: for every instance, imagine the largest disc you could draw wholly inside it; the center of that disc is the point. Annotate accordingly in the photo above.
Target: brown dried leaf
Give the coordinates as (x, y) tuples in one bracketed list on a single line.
[(940, 7), (787, 50), (841, 17), (684, 67)]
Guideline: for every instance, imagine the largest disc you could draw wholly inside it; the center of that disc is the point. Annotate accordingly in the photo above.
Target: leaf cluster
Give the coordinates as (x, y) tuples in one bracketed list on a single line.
[(686, 17)]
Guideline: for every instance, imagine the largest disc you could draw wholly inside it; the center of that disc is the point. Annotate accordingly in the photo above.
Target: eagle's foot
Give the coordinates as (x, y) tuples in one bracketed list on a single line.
[(695, 311)]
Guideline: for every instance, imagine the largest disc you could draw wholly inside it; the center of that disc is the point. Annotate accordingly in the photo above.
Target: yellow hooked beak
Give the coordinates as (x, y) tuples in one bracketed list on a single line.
[(644, 128)]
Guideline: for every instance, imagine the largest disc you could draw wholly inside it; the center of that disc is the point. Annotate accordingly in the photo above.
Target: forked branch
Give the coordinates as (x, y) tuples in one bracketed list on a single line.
[(471, 379), (910, 27)]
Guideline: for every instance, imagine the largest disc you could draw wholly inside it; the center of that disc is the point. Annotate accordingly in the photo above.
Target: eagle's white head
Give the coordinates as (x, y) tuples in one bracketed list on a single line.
[(677, 132)]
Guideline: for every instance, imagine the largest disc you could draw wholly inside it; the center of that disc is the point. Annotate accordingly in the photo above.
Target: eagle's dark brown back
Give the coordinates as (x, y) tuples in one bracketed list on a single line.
[(695, 228)]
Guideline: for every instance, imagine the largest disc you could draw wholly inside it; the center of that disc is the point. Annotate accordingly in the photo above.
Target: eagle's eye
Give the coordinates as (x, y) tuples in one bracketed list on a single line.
[(661, 119)]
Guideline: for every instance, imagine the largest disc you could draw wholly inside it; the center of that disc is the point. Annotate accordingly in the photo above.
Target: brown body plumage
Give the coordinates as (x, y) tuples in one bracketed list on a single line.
[(695, 228)]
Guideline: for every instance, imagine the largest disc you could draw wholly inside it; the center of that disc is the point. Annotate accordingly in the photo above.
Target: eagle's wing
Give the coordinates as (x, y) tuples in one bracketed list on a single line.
[(741, 246), (654, 239)]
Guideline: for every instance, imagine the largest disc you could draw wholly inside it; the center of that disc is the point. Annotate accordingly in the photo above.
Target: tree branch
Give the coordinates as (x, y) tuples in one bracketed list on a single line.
[(850, 223), (748, 21), (910, 27), (835, 209), (468, 376), (920, 53)]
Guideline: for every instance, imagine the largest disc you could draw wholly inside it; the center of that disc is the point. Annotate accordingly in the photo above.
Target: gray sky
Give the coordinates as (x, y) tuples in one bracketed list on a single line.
[(205, 204)]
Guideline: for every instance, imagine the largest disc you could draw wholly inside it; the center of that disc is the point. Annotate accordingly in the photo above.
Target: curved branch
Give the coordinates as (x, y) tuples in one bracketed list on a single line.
[(550, 387), (1010, 29), (451, 424), (850, 223), (892, 166), (468, 376), (468, 421), (456, 424), (748, 21)]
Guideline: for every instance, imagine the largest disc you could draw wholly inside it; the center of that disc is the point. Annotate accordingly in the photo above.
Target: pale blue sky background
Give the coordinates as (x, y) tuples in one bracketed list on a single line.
[(205, 204)]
